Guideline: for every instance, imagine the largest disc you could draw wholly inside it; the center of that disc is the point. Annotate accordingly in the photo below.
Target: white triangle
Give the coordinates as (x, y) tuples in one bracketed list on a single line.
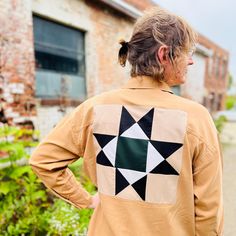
[(110, 150), (132, 175), (154, 158), (135, 132)]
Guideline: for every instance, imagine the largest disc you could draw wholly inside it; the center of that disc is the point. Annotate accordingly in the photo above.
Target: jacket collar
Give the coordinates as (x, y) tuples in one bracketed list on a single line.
[(146, 82)]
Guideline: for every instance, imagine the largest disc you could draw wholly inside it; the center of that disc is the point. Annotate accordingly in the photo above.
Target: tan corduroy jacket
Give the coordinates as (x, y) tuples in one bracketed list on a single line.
[(154, 157)]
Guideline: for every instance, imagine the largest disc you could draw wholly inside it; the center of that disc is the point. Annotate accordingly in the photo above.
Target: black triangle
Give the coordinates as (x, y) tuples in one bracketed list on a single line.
[(146, 123), (103, 160), (164, 168), (121, 182), (166, 148), (103, 139), (126, 121), (140, 187)]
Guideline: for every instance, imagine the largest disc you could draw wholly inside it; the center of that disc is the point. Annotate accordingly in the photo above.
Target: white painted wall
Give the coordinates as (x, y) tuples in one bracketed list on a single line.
[(47, 118), (194, 85)]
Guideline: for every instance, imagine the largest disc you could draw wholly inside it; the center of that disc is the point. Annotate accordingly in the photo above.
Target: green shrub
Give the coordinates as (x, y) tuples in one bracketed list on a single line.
[(220, 122), (230, 102), (23, 201), (26, 206)]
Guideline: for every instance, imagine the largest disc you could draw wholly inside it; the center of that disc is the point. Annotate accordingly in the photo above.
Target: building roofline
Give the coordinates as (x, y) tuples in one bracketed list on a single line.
[(204, 50), (203, 38), (124, 8)]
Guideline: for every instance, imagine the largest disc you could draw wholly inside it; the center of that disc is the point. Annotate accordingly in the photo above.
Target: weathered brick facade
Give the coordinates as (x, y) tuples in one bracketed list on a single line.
[(216, 75), (103, 25), (17, 59)]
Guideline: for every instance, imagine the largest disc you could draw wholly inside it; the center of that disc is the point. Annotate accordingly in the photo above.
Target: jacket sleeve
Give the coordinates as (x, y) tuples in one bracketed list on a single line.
[(207, 184), (51, 158)]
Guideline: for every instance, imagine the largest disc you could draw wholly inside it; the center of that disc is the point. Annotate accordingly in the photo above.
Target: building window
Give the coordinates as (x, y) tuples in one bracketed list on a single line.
[(212, 101), (60, 60), (219, 102), (211, 66), (224, 69), (217, 67)]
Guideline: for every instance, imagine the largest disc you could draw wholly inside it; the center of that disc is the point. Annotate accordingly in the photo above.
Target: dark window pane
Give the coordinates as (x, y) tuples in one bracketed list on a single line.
[(59, 53), (51, 34), (55, 85), (59, 63)]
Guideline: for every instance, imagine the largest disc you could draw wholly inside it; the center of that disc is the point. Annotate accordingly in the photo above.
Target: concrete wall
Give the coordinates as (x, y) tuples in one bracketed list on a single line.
[(48, 117)]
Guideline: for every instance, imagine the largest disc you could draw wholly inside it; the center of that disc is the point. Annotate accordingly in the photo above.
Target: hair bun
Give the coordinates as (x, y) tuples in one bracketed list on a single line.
[(123, 53)]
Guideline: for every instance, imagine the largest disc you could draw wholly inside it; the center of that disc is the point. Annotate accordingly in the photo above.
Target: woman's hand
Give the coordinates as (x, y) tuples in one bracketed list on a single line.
[(95, 201)]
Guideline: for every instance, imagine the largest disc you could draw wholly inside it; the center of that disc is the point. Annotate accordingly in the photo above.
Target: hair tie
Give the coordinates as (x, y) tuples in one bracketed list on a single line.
[(123, 43)]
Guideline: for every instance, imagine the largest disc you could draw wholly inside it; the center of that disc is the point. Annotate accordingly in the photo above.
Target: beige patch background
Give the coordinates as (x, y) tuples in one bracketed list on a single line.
[(97, 147), (129, 193), (106, 179), (137, 112), (169, 125), (175, 159), (107, 119), (161, 188)]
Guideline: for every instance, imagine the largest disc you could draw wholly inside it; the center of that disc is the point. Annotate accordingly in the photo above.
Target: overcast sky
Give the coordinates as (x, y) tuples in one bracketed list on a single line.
[(214, 19)]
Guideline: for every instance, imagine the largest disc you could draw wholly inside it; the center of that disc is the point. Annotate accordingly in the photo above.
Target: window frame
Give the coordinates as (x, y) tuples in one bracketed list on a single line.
[(57, 100)]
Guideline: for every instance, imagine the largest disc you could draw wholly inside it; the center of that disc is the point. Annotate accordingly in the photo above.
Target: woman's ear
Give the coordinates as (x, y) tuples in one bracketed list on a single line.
[(162, 55)]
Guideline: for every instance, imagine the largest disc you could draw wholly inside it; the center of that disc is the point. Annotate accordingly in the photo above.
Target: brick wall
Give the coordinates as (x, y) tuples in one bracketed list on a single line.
[(109, 27), (103, 27), (17, 59), (215, 84)]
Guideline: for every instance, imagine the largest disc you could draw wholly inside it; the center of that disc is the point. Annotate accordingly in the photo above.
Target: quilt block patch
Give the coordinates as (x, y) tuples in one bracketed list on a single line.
[(141, 157)]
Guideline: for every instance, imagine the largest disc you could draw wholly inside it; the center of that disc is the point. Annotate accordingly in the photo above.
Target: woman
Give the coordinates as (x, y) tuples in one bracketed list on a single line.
[(154, 156)]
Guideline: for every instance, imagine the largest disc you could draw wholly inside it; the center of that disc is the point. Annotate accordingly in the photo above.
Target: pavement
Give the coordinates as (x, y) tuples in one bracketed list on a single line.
[(229, 188), (229, 133)]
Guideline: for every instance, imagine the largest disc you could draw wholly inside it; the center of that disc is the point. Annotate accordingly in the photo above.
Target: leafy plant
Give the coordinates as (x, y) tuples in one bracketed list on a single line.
[(23, 200), (230, 102), (64, 219), (15, 141), (220, 122), (26, 206)]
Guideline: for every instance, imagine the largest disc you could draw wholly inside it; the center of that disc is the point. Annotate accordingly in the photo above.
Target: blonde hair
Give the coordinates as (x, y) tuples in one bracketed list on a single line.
[(155, 28)]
